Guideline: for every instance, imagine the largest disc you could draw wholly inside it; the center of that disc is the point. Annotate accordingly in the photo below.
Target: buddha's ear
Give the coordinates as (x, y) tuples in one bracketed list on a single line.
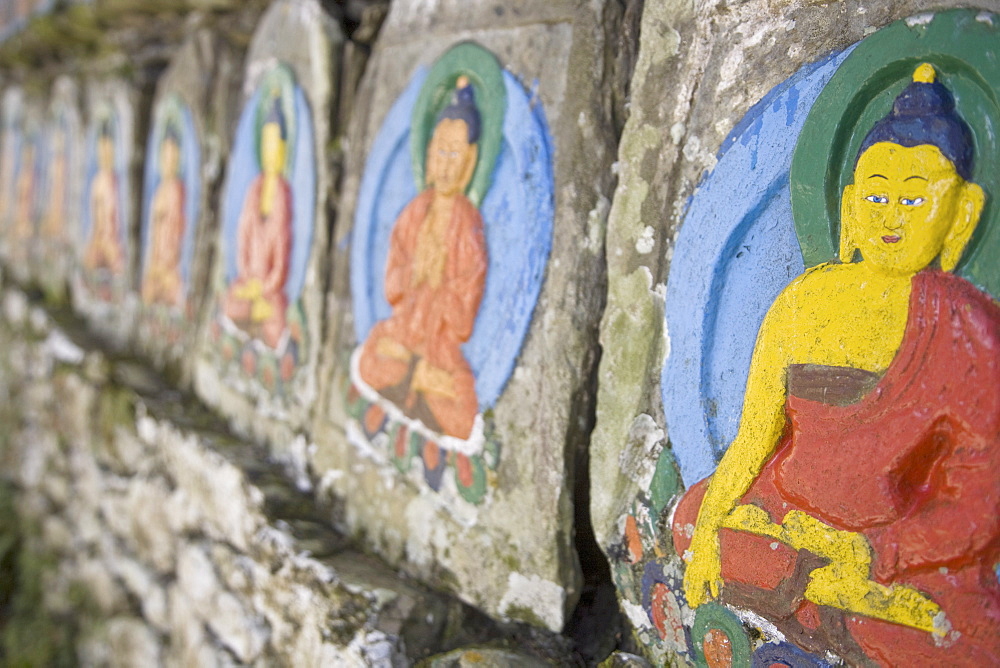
[(970, 207), (470, 167), (847, 244)]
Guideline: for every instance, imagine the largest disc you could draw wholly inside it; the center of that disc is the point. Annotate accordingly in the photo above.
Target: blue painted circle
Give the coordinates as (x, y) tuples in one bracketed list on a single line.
[(736, 251), (517, 217)]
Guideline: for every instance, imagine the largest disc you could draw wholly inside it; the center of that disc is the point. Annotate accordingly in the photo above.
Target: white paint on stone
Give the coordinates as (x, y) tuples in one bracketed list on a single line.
[(635, 613), (920, 20)]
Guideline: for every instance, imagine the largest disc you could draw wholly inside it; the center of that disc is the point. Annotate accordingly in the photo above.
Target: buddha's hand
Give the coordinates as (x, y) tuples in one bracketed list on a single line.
[(250, 290), (703, 575)]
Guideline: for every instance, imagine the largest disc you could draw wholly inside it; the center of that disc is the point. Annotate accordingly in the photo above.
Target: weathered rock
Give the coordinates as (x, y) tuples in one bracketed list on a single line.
[(188, 137), (484, 657), (61, 189), (700, 241), (484, 510), (263, 324), (105, 265), (157, 526)]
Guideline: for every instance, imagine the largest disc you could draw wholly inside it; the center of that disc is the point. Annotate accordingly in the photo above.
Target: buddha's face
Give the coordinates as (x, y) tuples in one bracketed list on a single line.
[(105, 152), (906, 207), (451, 159), (169, 158), (272, 149)]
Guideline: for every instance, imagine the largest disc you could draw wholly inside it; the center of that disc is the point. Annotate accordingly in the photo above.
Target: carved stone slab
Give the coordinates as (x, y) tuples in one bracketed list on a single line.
[(103, 280), (61, 189), (181, 174), (258, 353), (770, 479), (467, 265)]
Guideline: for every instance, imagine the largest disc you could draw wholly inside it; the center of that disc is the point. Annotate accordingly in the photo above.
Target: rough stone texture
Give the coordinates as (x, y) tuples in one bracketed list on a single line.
[(59, 227), (513, 554), (301, 35), (701, 66), (113, 313), (169, 542), (201, 76)]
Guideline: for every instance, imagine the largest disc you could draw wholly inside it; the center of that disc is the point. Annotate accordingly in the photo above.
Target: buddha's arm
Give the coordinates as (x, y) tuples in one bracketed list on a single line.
[(761, 426), (399, 261), (243, 230)]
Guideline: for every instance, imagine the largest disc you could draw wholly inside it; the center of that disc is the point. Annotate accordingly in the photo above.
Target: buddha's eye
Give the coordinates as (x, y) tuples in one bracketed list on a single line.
[(916, 201), (878, 199)]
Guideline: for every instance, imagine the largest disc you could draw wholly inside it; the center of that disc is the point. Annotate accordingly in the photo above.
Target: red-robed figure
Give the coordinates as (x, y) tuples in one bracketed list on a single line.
[(435, 275), (105, 250), (256, 300), (162, 282), (858, 507)]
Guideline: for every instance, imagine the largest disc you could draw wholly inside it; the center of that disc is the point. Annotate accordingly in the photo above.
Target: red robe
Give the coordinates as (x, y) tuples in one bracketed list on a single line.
[(263, 252), (432, 322), (914, 466)]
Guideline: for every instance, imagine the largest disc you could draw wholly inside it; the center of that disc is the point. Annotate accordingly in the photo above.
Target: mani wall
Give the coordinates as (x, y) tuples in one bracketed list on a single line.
[(499, 333)]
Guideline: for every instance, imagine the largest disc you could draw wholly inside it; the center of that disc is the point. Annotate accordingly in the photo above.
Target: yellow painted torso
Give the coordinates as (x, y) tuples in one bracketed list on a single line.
[(838, 315)]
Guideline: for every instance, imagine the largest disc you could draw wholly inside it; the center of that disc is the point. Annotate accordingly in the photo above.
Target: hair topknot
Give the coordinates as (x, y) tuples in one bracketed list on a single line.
[(463, 107), (924, 113)]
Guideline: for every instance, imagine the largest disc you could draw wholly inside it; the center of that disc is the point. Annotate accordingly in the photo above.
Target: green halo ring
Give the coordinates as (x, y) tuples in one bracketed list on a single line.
[(962, 47), (483, 70), (279, 81), (715, 616)]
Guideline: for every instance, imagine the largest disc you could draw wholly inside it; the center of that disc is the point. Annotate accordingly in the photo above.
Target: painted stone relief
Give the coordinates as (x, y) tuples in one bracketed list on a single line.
[(451, 236), (62, 154), (171, 199), (268, 215), (843, 506), (27, 201), (106, 207), (10, 158)]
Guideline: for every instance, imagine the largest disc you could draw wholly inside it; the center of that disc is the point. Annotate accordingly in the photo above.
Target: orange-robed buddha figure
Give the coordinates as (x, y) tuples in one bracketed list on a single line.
[(105, 248), (55, 214), (434, 280), (858, 507), (256, 299), (161, 282)]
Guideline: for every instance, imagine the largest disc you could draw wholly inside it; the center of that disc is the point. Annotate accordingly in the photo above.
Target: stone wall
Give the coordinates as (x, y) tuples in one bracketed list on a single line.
[(146, 534), (376, 332)]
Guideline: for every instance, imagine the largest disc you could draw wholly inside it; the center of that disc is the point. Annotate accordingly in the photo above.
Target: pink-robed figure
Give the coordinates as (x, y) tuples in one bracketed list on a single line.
[(24, 218), (162, 283), (105, 248), (434, 281), (256, 299)]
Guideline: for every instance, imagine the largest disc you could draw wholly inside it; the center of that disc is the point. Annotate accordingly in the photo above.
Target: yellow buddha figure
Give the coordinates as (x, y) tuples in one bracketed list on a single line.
[(162, 282), (256, 298), (865, 475), (104, 251)]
